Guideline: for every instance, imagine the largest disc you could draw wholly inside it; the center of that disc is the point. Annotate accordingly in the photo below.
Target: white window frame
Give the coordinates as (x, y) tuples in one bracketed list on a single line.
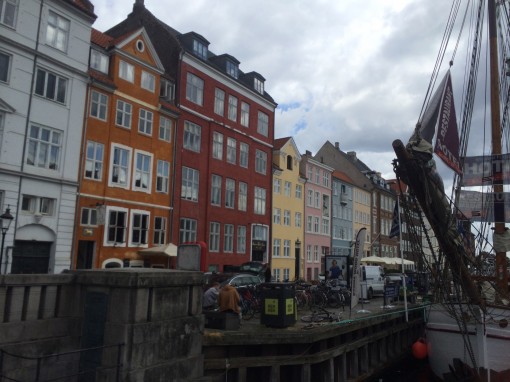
[(244, 151), (94, 159), (232, 108), (163, 176), (145, 121), (277, 247), (99, 61), (245, 114), (165, 129), (260, 162), (4, 77), (194, 89), (148, 81), (187, 230), (286, 217), (142, 230), (288, 187), (231, 150), (258, 85), (126, 71), (98, 105), (217, 151), (259, 201), (297, 219), (276, 186), (124, 110), (88, 217), (126, 167), (50, 149), (230, 193), (159, 235), (192, 136), (299, 191), (190, 184), (38, 205), (57, 92), (216, 183), (219, 102), (9, 13), (242, 198), (277, 216), (108, 227), (241, 239), (263, 124), (286, 248), (214, 236), (57, 31), (228, 238)]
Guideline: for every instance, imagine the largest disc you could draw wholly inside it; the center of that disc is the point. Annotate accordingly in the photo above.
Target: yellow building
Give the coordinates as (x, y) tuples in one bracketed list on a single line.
[(288, 212), (361, 215)]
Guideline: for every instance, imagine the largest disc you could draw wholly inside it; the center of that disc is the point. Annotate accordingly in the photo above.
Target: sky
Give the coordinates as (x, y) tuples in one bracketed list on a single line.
[(348, 71)]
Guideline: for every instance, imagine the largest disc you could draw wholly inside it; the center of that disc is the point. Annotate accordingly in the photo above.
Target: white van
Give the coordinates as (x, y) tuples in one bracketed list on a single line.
[(372, 281)]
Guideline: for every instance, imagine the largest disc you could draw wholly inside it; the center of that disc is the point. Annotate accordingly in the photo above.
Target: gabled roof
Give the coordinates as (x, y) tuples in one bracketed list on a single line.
[(342, 176), (83, 5)]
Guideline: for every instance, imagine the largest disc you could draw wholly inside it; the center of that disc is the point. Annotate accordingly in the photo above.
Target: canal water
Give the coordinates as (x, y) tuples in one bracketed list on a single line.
[(407, 369)]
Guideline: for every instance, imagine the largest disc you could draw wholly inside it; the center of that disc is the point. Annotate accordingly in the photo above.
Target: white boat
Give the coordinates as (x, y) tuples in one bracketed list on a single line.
[(467, 328)]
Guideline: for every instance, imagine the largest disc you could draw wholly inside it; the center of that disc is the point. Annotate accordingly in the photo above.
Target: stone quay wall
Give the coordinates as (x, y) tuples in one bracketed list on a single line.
[(136, 324)]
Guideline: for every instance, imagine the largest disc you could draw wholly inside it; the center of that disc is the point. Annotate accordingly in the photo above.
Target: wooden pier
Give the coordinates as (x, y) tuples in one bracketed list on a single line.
[(353, 349)]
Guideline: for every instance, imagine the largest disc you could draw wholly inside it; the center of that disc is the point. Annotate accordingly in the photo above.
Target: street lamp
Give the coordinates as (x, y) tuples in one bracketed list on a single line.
[(297, 248), (5, 223)]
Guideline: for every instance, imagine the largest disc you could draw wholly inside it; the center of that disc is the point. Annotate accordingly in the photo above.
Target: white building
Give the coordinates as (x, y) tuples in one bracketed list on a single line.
[(44, 50)]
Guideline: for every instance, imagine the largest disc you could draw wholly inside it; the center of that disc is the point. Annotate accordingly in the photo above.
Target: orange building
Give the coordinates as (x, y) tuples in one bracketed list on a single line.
[(125, 195)]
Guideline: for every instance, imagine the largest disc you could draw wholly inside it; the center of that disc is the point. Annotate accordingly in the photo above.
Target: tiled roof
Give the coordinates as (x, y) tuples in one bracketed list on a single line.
[(85, 5), (101, 39), (280, 142), (342, 176), (101, 77)]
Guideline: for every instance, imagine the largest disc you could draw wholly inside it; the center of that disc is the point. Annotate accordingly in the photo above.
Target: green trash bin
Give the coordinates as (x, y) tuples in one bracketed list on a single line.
[(278, 305)]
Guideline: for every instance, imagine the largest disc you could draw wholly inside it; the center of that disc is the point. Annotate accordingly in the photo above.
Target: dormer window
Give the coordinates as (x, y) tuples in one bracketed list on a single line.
[(200, 49), (99, 61), (232, 69), (258, 85), (166, 90)]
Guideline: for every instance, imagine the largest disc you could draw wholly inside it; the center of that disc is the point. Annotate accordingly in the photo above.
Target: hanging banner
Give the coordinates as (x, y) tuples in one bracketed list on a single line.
[(356, 268), (447, 139), (479, 206), (477, 171)]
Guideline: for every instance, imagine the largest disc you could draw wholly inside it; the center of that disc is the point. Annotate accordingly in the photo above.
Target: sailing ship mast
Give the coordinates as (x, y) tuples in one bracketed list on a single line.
[(497, 175)]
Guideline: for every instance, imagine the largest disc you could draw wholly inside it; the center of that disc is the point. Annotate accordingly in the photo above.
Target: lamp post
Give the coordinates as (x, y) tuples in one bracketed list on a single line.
[(5, 222), (297, 248)]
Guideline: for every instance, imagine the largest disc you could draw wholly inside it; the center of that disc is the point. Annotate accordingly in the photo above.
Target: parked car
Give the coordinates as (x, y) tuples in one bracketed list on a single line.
[(212, 277), (242, 279), (254, 267)]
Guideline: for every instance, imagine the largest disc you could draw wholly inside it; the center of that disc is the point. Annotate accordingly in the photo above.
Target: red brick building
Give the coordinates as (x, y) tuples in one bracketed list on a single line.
[(223, 145)]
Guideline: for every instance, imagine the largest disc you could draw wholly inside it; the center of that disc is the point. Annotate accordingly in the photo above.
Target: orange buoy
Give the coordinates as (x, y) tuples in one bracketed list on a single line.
[(419, 349)]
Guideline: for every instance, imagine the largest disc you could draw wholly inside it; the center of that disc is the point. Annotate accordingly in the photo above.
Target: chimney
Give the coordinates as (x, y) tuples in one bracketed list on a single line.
[(337, 146), (138, 5), (308, 153), (352, 155)]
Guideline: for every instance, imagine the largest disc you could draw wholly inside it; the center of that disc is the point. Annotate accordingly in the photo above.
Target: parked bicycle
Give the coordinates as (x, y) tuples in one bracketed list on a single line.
[(320, 314)]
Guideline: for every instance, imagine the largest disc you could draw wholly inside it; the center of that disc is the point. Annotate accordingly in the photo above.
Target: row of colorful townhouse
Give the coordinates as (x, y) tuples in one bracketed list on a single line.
[(140, 137)]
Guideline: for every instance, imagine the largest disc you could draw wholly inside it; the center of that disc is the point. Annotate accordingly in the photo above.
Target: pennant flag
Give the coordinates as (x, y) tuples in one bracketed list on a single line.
[(395, 225)]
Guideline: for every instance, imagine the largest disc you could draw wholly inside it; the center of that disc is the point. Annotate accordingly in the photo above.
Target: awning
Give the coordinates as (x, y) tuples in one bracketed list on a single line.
[(373, 259), (169, 250), (386, 260)]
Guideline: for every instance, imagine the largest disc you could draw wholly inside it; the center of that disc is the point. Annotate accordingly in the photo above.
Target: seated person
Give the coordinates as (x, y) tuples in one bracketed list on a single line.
[(229, 299), (210, 300)]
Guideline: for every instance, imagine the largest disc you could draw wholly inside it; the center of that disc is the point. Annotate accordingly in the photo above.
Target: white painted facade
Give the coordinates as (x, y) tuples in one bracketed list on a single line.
[(42, 102)]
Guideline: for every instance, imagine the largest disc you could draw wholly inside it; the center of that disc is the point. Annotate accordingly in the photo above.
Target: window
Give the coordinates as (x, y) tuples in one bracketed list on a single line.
[(139, 227), (309, 198), (200, 49), (277, 215), (194, 89), (99, 61), (165, 129), (189, 188), (317, 176), (299, 191), (243, 155), (245, 114), (309, 173), (228, 238), (94, 160), (316, 224), (286, 217), (148, 81), (325, 179), (214, 237), (120, 166), (166, 89), (159, 230), (231, 150), (98, 105), (259, 202), (51, 86), (145, 122), (192, 134), (8, 12), (232, 108), (232, 69), (288, 186), (242, 200), (317, 199), (316, 253), (260, 162), (297, 219), (230, 193), (309, 223), (44, 146), (217, 151), (117, 221), (123, 117), (241, 239), (276, 186), (126, 71), (276, 247), (89, 217), (5, 61), (187, 230), (276, 274), (219, 102), (286, 273), (286, 248), (163, 176), (216, 190), (57, 31), (289, 162), (38, 205), (263, 124), (325, 226), (258, 85)]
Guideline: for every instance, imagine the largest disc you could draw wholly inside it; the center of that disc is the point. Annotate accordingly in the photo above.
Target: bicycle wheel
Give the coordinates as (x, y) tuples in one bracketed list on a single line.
[(334, 300), (314, 317), (247, 311), (301, 301)]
